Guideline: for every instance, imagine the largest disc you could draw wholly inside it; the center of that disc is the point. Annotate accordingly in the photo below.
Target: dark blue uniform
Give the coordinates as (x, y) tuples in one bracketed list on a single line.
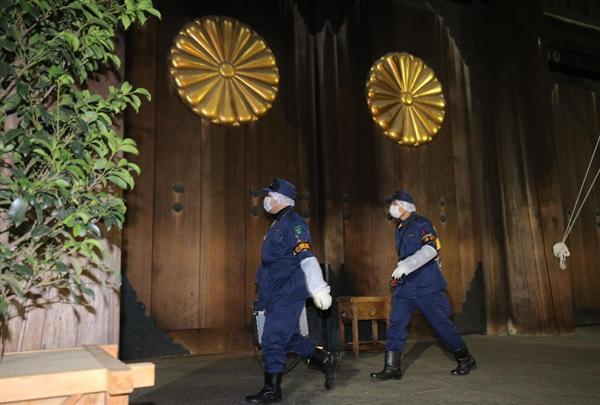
[(423, 289), (282, 289)]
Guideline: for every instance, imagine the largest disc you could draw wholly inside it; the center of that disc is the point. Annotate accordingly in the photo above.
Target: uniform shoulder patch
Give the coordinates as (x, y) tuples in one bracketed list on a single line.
[(298, 229)]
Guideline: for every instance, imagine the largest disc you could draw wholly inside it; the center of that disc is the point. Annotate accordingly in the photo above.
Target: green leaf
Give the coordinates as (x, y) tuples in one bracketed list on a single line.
[(71, 39), (61, 267), (143, 92), (11, 103), (129, 149), (76, 171), (89, 116), (77, 267), (62, 184), (84, 217), (93, 228), (23, 270), (126, 87), (124, 174), (117, 181), (76, 298), (8, 45), (40, 230), (79, 230), (94, 243), (12, 134), (14, 284), (91, 5), (55, 71), (43, 141), (89, 292), (69, 221), (25, 6), (154, 12), (100, 164), (141, 17), (22, 90), (114, 59), (135, 100), (4, 70), (135, 168), (3, 310), (43, 154), (18, 209), (66, 80), (126, 21)]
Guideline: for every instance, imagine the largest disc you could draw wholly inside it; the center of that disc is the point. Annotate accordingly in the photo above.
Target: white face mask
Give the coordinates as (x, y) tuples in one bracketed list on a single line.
[(395, 211), (268, 203)]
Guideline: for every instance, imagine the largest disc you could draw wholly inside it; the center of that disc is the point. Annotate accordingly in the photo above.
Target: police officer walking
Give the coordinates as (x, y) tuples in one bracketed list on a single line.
[(418, 283), (288, 275)]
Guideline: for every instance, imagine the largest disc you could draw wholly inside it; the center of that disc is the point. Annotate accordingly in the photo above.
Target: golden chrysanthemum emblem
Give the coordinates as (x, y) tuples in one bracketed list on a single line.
[(224, 71), (405, 98)]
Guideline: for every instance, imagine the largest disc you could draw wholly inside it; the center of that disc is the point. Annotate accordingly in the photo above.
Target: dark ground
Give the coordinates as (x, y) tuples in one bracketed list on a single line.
[(511, 370)]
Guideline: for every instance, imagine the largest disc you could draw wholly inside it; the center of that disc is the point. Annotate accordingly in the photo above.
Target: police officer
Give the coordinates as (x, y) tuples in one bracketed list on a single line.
[(288, 275), (418, 283)]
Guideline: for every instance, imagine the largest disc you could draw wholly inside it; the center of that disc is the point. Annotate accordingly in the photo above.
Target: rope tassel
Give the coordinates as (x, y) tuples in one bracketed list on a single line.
[(562, 252)]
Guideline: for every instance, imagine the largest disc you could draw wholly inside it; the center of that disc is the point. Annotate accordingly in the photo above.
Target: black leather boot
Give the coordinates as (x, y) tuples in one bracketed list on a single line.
[(465, 362), (326, 362), (270, 393), (391, 367)]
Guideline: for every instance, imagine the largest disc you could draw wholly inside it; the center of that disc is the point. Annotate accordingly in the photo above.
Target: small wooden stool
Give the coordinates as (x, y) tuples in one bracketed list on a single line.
[(354, 309)]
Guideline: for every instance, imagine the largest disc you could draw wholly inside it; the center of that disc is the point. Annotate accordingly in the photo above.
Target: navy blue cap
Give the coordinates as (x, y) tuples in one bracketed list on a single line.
[(282, 186), (400, 196)]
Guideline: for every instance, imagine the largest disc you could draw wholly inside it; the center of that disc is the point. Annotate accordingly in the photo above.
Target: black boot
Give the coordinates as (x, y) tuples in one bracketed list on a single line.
[(391, 367), (270, 393), (326, 362), (465, 362)]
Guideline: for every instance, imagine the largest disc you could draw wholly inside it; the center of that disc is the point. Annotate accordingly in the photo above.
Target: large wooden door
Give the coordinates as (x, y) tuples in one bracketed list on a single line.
[(200, 208), (362, 167), (577, 118)]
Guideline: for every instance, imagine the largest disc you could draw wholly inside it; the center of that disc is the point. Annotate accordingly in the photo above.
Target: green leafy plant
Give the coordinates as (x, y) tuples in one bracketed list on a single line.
[(62, 162)]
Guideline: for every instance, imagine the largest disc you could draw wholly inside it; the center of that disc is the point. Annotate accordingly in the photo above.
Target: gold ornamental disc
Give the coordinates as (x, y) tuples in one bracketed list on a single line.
[(405, 98), (223, 70)]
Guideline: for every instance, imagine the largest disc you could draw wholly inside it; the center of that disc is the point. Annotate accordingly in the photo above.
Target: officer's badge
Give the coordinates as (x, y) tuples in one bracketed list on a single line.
[(298, 230)]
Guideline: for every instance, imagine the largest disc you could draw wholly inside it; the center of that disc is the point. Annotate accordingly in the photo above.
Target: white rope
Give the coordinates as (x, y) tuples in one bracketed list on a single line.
[(571, 220), (581, 205), (560, 249)]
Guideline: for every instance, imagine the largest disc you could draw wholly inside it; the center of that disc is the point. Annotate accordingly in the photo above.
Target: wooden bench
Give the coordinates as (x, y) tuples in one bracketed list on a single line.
[(354, 309), (84, 375)]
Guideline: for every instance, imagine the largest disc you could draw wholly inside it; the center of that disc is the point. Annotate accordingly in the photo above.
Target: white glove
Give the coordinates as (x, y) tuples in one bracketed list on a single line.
[(401, 270), (322, 299)]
